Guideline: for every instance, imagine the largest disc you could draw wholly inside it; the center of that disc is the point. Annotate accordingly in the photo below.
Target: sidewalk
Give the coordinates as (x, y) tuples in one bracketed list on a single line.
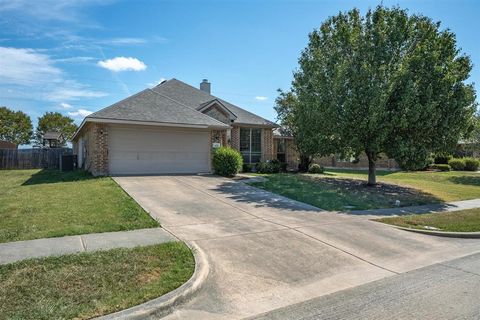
[(20, 250), (437, 207)]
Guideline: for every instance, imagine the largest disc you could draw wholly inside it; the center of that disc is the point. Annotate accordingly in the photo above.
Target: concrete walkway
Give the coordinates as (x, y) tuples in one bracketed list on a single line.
[(437, 207), (266, 251), (20, 250)]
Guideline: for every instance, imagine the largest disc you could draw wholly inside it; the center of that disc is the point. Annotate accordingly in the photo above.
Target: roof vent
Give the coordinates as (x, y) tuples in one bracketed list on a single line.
[(205, 86)]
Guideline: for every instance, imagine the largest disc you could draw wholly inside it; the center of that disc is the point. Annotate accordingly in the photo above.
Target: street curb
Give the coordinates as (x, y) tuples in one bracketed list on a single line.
[(464, 235), (163, 305)]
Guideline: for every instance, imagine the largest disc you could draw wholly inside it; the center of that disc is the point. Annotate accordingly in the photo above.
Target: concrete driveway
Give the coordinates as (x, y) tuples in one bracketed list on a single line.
[(267, 252)]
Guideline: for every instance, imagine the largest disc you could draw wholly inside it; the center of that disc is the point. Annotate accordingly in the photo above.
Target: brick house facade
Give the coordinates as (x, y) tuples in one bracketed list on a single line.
[(281, 136)]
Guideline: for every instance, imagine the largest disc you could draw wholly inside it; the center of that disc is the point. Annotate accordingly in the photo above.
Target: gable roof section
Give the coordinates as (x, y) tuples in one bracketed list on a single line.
[(215, 102), (194, 98), (150, 106)]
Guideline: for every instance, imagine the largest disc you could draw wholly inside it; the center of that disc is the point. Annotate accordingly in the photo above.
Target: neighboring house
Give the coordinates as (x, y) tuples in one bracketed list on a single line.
[(285, 151), (7, 145), (53, 139), (171, 128)]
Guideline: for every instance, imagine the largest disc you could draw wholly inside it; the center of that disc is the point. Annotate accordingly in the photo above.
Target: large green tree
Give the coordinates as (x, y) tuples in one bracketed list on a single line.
[(55, 121), (15, 126), (291, 118), (387, 82)]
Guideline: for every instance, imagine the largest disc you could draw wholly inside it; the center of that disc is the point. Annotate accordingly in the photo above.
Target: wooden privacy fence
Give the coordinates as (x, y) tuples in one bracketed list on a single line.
[(32, 158)]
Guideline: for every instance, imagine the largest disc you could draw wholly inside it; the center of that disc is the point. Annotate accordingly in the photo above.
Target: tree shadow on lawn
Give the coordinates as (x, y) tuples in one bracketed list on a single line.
[(46, 176), (351, 193), (467, 180), (343, 195), (260, 198)]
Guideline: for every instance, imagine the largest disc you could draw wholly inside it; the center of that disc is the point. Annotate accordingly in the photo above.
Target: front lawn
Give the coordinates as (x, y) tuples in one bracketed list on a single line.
[(87, 285), (49, 203), (456, 221), (446, 186), (346, 190)]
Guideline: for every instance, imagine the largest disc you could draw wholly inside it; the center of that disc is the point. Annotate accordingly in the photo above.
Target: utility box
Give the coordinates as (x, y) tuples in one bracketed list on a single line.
[(68, 162)]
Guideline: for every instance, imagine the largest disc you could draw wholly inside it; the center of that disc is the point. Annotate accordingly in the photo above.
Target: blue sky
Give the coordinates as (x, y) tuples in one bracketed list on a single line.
[(76, 57)]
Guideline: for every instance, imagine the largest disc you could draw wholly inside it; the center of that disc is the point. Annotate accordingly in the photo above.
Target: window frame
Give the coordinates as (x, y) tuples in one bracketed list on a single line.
[(248, 153)]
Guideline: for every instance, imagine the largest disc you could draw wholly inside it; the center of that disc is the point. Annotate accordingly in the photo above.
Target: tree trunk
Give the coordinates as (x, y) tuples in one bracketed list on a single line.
[(305, 161), (372, 169)]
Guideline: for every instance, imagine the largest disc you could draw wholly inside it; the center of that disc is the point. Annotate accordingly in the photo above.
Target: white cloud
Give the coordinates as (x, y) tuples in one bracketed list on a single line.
[(122, 64), (26, 67), (72, 92), (66, 105), (156, 83), (261, 98), (61, 10), (75, 59), (80, 113), (33, 75)]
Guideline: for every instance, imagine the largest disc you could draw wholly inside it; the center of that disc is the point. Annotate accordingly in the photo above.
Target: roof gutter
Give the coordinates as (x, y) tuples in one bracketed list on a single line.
[(147, 123)]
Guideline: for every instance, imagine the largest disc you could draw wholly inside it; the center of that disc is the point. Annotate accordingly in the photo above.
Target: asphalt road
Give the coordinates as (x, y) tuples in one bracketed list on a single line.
[(448, 290)]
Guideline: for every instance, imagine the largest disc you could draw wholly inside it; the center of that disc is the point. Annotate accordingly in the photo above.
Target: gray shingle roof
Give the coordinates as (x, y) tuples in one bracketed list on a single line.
[(175, 102), (194, 97), (150, 106)]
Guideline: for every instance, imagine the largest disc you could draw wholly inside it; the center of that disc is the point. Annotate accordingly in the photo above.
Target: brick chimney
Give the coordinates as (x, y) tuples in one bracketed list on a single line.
[(205, 86)]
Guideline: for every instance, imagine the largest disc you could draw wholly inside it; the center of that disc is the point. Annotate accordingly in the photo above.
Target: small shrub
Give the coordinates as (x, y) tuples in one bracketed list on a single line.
[(472, 164), (442, 158), (315, 168), (247, 167), (227, 161), (270, 166), (441, 167), (457, 164)]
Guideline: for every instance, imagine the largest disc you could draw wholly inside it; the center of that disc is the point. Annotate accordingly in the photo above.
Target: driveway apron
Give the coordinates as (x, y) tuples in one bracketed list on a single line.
[(266, 251)]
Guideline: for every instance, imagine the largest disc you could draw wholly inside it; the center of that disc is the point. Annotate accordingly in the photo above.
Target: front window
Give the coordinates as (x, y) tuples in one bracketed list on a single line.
[(251, 144), (281, 150)]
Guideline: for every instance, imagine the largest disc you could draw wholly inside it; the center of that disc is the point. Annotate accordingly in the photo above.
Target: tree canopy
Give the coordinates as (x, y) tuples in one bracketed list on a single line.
[(55, 121), (387, 82), (15, 126)]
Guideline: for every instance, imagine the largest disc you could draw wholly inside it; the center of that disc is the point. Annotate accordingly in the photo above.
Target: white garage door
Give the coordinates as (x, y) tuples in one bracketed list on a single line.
[(151, 151)]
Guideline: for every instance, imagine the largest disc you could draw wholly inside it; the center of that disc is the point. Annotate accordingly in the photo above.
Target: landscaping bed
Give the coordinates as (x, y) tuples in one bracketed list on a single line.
[(87, 285), (455, 221), (346, 189), (445, 186), (49, 203)]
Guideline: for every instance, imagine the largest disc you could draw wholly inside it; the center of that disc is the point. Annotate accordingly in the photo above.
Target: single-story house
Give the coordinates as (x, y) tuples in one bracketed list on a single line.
[(171, 128)]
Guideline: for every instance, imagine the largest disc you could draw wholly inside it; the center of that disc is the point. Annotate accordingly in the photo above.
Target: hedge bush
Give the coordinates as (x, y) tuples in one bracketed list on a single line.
[(441, 167), (270, 166), (315, 168), (227, 161), (457, 164), (247, 167), (442, 158), (472, 164)]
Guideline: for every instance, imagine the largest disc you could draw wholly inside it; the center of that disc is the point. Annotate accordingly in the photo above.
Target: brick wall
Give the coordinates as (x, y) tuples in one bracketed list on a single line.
[(95, 139), (267, 145), (235, 138), (382, 163), (215, 113), (219, 136)]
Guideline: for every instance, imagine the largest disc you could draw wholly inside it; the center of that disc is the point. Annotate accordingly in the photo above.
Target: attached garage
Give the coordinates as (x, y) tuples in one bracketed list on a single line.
[(140, 150)]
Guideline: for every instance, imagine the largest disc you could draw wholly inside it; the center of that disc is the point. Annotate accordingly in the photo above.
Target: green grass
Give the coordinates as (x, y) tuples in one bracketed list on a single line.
[(47, 203), (456, 221), (86, 285), (345, 189), (446, 186)]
